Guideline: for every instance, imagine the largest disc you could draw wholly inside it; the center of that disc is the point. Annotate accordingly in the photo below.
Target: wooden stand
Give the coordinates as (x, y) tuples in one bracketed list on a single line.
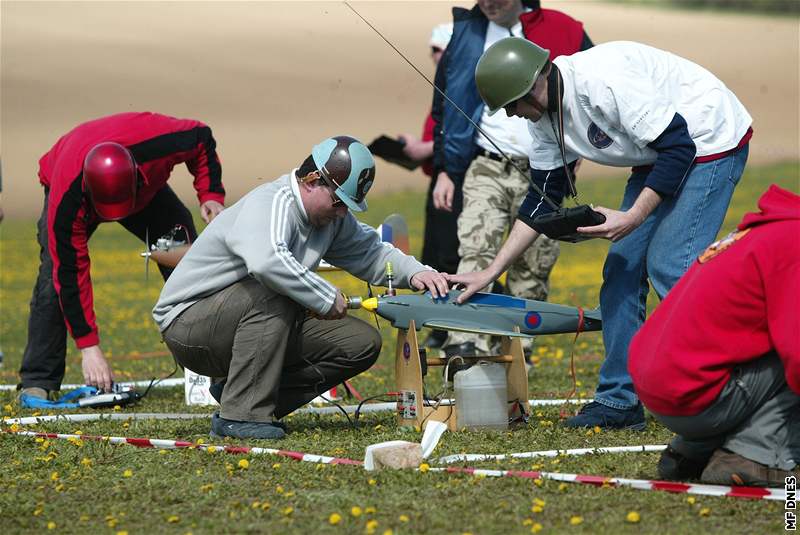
[(411, 411)]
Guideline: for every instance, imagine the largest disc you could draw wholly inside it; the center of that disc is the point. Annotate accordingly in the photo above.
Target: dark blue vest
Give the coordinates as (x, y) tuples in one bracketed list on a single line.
[(464, 51)]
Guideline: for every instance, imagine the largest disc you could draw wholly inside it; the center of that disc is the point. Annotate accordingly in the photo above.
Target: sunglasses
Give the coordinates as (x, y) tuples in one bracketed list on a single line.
[(335, 201), (330, 186)]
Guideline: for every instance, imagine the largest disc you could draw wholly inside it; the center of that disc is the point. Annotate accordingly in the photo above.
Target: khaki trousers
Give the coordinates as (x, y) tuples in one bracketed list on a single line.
[(493, 193), (275, 359)]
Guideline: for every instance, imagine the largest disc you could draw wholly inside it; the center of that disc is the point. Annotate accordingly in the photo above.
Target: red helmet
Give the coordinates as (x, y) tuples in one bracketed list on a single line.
[(110, 174)]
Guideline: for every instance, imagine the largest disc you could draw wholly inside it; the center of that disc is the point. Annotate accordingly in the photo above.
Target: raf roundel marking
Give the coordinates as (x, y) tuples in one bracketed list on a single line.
[(533, 319), (406, 351), (598, 138)]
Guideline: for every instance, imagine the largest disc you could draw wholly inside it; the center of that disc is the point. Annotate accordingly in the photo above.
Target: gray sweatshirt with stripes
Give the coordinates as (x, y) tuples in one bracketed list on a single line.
[(267, 236)]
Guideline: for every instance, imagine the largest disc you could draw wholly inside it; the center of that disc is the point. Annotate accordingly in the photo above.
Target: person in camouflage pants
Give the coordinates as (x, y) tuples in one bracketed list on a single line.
[(493, 192)]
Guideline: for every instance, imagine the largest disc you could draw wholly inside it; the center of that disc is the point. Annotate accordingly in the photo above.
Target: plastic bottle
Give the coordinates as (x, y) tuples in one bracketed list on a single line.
[(482, 397)]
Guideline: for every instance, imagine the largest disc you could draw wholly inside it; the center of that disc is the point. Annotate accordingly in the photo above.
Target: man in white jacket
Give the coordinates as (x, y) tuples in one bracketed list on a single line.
[(246, 307), (623, 104)]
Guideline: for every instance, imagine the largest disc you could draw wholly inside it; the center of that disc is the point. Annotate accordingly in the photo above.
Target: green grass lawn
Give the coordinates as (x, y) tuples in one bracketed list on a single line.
[(110, 489)]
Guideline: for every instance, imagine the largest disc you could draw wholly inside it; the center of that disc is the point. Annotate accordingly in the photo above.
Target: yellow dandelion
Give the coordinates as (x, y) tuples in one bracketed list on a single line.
[(538, 482), (288, 510), (14, 428), (255, 505), (372, 482), (265, 506), (403, 518), (537, 509), (211, 449), (691, 500), (370, 510), (388, 532), (527, 522), (562, 487), (162, 452), (575, 520), (173, 519), (597, 429), (244, 464), (51, 525), (54, 476), (207, 487), (117, 408), (8, 408), (539, 502), (84, 518), (276, 465), (86, 462), (705, 511), (424, 467), (536, 528), (356, 511), (279, 489), (127, 473), (334, 519), (371, 526), (122, 533), (633, 517)]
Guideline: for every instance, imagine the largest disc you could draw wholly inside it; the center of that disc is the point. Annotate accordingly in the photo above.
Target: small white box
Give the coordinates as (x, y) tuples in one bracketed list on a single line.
[(196, 389)]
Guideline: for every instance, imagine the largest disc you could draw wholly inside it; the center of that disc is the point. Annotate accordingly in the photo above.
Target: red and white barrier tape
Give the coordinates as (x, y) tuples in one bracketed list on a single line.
[(598, 481), (158, 443), (758, 493)]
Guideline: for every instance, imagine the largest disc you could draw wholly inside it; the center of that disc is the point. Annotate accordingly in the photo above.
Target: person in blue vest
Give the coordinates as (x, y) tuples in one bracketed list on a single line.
[(477, 193)]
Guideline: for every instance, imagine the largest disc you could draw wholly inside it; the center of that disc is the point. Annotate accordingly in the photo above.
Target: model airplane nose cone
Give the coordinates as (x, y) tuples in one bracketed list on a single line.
[(370, 304)]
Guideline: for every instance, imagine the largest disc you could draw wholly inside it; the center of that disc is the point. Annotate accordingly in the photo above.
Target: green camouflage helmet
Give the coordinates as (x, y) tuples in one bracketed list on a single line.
[(508, 70)]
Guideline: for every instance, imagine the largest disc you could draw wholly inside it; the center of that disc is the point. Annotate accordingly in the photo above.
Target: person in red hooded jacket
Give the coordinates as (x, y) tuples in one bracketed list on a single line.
[(113, 168), (718, 362)]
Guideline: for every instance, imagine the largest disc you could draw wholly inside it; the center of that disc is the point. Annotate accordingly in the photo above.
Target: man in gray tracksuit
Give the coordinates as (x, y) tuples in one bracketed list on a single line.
[(245, 305)]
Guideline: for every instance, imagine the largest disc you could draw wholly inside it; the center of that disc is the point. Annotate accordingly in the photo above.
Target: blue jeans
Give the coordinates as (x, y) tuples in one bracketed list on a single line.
[(658, 252)]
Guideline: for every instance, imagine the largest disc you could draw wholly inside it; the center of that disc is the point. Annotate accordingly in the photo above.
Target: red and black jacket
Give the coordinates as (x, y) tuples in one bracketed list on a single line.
[(158, 143)]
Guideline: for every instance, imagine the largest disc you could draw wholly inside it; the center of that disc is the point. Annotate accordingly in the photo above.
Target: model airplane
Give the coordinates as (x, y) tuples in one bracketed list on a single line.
[(483, 313)]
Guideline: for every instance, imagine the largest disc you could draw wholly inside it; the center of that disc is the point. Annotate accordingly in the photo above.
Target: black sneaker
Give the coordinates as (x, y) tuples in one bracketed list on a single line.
[(221, 427), (674, 466), (596, 414)]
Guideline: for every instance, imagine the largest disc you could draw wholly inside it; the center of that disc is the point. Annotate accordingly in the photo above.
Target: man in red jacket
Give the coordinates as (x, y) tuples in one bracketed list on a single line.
[(110, 169), (718, 362)]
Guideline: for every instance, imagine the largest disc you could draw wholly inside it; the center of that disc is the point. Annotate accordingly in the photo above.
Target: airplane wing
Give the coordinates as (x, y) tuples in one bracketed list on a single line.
[(449, 325)]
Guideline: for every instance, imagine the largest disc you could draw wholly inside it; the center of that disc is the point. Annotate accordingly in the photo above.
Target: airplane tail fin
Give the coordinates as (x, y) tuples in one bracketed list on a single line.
[(394, 230)]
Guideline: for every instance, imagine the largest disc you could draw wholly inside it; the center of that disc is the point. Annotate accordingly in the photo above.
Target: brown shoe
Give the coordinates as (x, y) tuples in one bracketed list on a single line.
[(727, 468)]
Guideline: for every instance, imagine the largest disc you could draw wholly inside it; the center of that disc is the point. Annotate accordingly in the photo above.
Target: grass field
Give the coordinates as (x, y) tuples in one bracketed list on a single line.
[(81, 485)]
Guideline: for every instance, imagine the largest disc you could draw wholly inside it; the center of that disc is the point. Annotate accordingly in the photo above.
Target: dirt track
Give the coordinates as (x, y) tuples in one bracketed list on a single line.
[(271, 79)]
